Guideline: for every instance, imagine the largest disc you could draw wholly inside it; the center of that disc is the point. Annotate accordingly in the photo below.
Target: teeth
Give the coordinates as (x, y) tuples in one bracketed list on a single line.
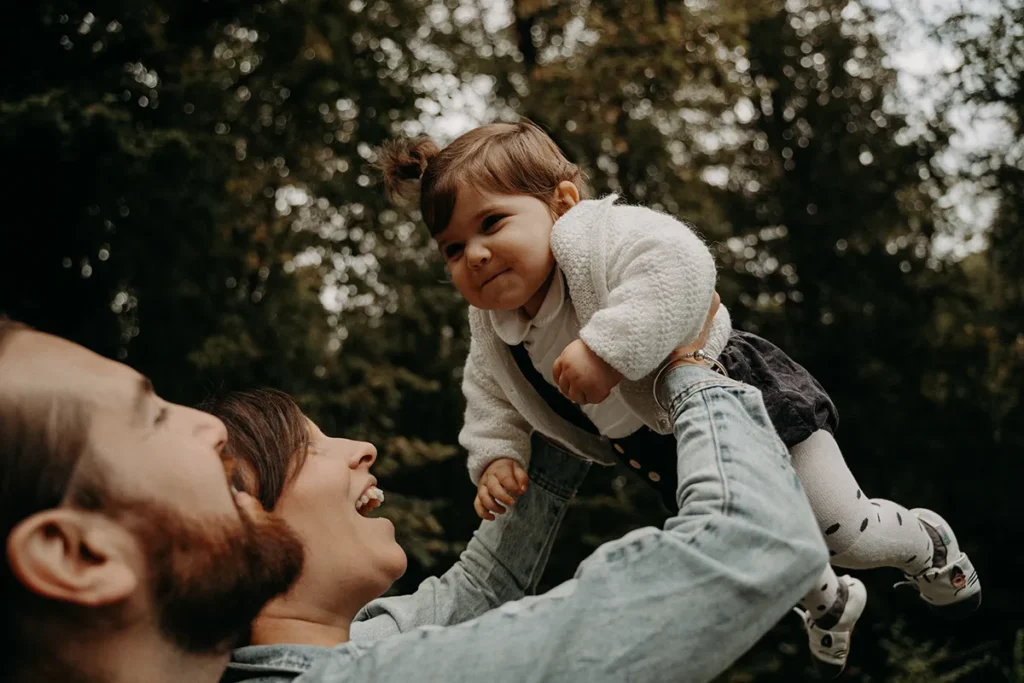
[(373, 493)]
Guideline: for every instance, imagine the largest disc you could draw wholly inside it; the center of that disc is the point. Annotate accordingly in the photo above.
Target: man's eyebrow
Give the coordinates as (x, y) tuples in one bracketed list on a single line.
[(143, 390)]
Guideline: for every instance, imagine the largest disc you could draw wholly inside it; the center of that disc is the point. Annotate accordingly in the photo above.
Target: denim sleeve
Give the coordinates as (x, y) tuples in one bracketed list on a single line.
[(503, 561), (676, 604)]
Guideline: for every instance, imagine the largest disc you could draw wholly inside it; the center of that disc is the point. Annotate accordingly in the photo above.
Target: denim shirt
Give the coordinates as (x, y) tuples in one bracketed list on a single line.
[(503, 561), (679, 603)]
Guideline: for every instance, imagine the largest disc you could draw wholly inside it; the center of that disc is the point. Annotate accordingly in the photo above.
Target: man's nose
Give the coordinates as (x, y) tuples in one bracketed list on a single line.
[(210, 428)]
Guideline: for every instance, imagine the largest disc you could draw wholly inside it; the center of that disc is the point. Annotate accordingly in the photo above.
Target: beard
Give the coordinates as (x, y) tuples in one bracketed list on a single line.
[(209, 579)]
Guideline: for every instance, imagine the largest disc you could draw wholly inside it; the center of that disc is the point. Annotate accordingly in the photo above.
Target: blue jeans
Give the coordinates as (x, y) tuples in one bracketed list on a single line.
[(673, 604)]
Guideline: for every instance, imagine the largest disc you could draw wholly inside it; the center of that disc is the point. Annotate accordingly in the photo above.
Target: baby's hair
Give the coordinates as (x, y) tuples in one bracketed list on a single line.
[(503, 158)]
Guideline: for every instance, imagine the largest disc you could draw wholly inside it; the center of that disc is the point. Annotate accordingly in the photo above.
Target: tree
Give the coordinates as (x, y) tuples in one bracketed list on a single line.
[(190, 186), (191, 192)]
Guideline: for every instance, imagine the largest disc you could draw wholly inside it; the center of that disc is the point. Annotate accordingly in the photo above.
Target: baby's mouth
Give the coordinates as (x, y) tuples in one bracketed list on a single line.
[(494, 277)]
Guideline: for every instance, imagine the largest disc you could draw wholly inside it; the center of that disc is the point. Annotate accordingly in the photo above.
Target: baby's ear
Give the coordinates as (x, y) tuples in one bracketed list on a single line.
[(567, 195)]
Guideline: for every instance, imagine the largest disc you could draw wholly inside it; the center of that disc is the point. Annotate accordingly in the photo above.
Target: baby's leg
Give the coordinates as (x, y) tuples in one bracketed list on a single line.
[(861, 533), (823, 602), (830, 612)]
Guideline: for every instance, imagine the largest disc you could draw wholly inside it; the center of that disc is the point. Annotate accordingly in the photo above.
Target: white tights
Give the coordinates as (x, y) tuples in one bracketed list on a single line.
[(861, 533)]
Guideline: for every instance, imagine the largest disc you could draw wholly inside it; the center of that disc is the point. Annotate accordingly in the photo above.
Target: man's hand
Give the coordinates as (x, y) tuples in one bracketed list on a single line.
[(582, 376), (501, 483), (701, 341)]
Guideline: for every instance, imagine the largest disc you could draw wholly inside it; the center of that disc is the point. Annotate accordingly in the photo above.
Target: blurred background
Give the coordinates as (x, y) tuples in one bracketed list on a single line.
[(189, 190)]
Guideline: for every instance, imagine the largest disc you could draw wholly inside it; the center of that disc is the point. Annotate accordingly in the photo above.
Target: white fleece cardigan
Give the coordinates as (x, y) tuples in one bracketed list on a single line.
[(641, 282)]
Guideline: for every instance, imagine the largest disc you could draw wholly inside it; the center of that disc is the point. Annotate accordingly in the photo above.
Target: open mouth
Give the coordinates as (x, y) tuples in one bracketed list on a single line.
[(371, 499)]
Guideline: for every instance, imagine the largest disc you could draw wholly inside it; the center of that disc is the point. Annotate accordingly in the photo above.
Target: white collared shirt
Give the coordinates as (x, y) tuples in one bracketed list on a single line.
[(545, 337)]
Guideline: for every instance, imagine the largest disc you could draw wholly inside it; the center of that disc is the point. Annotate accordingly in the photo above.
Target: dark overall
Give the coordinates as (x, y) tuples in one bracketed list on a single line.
[(797, 406)]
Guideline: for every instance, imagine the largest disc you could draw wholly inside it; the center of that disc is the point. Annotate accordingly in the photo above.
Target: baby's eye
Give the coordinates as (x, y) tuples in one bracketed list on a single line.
[(492, 221), (452, 251)]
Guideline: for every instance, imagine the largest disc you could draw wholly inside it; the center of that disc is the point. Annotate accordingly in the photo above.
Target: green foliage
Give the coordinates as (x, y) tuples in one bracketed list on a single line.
[(190, 191)]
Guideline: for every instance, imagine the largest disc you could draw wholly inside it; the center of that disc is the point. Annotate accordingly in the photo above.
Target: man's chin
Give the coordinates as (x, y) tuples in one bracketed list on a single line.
[(211, 579), (278, 548)]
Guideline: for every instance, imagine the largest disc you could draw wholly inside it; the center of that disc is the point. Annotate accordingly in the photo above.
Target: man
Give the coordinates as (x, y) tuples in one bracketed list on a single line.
[(128, 557)]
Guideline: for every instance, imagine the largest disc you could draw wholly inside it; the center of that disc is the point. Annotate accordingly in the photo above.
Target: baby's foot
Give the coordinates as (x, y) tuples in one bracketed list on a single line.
[(950, 586), (831, 646)]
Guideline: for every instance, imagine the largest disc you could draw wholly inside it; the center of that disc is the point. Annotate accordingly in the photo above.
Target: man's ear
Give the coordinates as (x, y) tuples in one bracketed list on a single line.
[(72, 556), (567, 195)]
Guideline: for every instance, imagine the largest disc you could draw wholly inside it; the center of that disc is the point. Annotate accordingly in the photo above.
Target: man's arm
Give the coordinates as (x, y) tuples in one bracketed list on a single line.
[(678, 604), (503, 561)]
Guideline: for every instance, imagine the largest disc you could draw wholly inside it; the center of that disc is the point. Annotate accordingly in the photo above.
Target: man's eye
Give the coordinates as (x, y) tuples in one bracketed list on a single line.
[(452, 251)]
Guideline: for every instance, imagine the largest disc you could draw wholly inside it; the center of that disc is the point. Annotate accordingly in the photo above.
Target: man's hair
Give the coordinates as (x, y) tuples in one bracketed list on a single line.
[(43, 439), (207, 581), (504, 158), (267, 434)]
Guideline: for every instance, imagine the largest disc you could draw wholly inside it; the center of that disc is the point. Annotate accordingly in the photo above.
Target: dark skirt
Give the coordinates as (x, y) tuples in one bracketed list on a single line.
[(797, 404)]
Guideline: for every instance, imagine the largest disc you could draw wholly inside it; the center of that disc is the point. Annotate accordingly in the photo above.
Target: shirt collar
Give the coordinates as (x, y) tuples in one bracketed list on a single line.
[(512, 327)]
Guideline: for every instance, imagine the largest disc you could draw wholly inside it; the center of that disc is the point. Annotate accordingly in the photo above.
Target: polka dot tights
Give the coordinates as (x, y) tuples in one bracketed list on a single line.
[(861, 533)]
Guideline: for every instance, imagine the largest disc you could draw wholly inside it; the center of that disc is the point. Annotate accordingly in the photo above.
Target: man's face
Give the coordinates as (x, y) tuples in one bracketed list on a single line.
[(205, 565)]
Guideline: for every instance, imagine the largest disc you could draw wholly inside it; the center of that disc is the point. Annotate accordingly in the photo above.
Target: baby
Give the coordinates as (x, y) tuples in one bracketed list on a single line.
[(575, 305)]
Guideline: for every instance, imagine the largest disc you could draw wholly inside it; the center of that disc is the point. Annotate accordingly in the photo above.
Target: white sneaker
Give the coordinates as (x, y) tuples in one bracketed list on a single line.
[(951, 588), (830, 647)]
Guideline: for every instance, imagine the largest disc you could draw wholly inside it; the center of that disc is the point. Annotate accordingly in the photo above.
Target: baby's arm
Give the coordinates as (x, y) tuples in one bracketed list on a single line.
[(660, 277), (496, 437), (582, 376)]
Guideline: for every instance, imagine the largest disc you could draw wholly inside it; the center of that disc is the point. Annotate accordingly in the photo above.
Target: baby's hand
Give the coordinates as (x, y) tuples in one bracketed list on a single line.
[(503, 481), (582, 376)]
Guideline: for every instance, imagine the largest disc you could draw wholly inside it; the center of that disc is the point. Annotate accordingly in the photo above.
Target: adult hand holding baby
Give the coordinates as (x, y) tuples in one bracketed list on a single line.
[(584, 377), (684, 352)]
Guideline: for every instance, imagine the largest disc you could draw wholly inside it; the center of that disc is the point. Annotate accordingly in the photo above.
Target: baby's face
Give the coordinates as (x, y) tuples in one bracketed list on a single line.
[(498, 250)]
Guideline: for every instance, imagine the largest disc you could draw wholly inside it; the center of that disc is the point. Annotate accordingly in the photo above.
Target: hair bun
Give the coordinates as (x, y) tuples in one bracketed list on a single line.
[(403, 163)]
